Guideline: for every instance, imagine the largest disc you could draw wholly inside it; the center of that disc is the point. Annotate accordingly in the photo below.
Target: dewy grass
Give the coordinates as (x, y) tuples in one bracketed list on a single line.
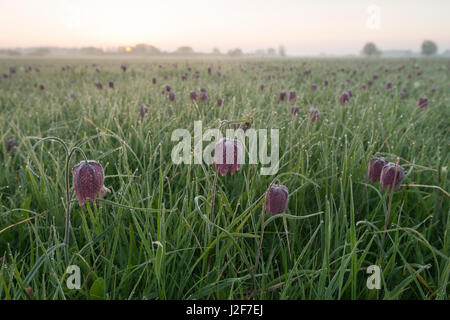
[(152, 236)]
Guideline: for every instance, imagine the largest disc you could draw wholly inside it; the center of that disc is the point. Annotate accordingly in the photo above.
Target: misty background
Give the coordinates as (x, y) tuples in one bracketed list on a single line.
[(232, 28)]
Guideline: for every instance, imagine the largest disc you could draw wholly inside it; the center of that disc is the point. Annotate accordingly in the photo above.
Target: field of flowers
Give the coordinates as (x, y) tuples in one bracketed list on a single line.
[(362, 179)]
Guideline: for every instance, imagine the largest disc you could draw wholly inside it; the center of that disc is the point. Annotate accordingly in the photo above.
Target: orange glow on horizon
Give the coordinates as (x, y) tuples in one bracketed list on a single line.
[(128, 49)]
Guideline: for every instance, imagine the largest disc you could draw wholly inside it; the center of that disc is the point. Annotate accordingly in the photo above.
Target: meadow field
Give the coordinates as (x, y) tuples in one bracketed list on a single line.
[(154, 235)]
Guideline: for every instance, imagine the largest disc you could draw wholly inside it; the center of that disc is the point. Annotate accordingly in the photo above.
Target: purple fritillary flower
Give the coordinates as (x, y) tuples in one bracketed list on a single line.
[(5, 75), (261, 87), (292, 96), (433, 90), (282, 96), (277, 198), (295, 110), (344, 98), (154, 80), (219, 102), (193, 95), (314, 114), (363, 87), (325, 83), (10, 144), (350, 93), (143, 111), (209, 70), (171, 96), (111, 84), (422, 103), (41, 87), (203, 97), (168, 88), (387, 176), (369, 83), (389, 86), (123, 67), (314, 87), (203, 90), (228, 156), (246, 126), (99, 85), (88, 180), (375, 77), (12, 70), (375, 167)]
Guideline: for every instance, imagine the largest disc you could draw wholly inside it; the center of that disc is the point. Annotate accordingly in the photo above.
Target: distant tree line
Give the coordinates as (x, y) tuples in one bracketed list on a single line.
[(140, 49), (428, 48)]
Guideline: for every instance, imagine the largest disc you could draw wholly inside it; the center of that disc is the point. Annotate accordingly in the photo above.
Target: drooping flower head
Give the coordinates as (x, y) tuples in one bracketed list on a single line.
[(422, 103), (154, 80), (228, 156), (277, 198), (389, 86), (88, 180), (143, 111), (375, 167), (282, 95), (292, 96), (314, 114), (219, 102), (171, 96), (344, 98), (10, 144), (111, 85), (295, 110), (193, 95), (388, 174)]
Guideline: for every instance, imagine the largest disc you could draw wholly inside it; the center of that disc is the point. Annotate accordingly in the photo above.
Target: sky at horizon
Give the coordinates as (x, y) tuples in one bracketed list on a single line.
[(302, 27)]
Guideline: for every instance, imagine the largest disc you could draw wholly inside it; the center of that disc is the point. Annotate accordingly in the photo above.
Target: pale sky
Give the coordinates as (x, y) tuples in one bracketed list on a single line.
[(304, 27)]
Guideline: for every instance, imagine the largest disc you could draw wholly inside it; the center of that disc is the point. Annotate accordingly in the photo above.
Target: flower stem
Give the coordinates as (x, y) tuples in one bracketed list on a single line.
[(69, 156), (213, 197), (391, 194)]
